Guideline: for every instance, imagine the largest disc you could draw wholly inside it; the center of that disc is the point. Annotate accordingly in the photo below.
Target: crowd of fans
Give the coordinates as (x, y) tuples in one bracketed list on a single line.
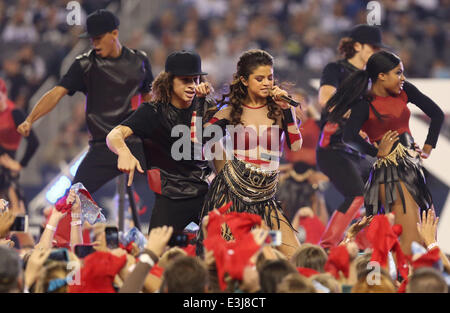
[(300, 34), (250, 263)]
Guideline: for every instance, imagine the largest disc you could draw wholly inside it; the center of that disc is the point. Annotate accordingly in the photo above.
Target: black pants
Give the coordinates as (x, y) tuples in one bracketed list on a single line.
[(176, 213), (100, 164), (347, 172)]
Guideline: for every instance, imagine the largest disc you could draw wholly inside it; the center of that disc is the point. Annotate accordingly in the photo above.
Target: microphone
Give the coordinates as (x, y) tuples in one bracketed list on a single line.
[(290, 101)]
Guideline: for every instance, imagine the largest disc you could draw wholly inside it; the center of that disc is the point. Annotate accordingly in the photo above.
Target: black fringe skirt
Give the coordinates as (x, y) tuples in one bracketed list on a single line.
[(295, 191), (403, 164), (250, 189)]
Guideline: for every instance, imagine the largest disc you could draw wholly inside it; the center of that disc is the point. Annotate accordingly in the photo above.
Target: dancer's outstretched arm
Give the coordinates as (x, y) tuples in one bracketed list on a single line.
[(126, 162), (44, 105)]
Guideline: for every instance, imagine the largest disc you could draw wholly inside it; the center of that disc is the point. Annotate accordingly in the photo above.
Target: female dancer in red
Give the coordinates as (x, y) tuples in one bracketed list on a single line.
[(335, 159), (396, 182), (10, 118), (255, 116)]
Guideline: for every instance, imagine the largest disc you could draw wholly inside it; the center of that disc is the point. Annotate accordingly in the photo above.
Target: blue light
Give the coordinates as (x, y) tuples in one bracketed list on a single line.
[(58, 189), (74, 167)]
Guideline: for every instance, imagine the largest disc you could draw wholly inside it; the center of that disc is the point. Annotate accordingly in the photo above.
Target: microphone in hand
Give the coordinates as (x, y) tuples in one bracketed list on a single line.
[(290, 101)]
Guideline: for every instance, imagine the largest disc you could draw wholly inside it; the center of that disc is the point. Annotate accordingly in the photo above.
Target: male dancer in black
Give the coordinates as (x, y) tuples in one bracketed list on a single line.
[(109, 75), (179, 184)]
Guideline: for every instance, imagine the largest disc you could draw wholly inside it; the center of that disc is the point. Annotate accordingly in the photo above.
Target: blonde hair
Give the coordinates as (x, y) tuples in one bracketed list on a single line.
[(385, 285), (361, 263), (54, 270), (310, 256), (327, 280), (295, 283), (261, 258)]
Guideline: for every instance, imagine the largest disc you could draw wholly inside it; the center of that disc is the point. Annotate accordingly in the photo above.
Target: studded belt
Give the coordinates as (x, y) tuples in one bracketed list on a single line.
[(250, 184)]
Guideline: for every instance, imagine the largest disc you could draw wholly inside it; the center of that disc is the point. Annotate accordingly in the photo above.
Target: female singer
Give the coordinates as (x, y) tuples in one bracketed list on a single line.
[(255, 116)]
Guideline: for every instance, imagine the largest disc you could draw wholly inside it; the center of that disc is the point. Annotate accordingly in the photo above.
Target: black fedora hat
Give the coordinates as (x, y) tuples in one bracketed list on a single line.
[(100, 22), (184, 63), (367, 34)]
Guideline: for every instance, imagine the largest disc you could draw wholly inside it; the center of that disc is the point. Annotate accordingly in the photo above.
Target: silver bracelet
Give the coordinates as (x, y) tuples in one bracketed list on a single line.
[(75, 215)]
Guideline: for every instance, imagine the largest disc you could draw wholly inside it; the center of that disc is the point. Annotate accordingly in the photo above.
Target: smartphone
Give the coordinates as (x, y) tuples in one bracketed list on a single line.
[(112, 237), (20, 223), (59, 255), (274, 238), (178, 239), (22, 240), (83, 251)]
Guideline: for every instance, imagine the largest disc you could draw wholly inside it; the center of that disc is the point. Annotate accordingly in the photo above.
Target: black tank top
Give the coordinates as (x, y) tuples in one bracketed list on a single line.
[(109, 85)]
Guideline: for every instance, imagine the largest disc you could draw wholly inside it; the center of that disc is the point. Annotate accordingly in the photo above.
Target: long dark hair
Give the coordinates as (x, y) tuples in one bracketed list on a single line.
[(237, 94), (355, 87), (162, 87), (346, 47)]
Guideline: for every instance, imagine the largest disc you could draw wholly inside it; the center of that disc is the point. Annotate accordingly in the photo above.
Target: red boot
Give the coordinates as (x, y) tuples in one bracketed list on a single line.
[(338, 224)]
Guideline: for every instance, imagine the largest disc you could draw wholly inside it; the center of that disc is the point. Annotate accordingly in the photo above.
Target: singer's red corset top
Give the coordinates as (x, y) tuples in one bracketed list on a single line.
[(246, 138)]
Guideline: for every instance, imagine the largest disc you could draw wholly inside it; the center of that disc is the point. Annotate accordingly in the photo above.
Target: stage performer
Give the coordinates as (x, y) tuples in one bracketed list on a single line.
[(10, 118), (256, 116), (179, 183), (346, 168), (109, 75), (378, 98)]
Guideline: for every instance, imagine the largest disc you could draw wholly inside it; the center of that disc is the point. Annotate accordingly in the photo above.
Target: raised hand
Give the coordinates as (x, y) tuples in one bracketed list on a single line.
[(202, 90), (276, 94), (34, 264), (158, 239), (358, 226), (428, 227), (73, 199)]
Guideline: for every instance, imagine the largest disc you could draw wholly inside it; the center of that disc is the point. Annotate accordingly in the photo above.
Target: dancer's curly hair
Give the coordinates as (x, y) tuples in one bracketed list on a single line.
[(162, 87), (346, 47), (237, 94)]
